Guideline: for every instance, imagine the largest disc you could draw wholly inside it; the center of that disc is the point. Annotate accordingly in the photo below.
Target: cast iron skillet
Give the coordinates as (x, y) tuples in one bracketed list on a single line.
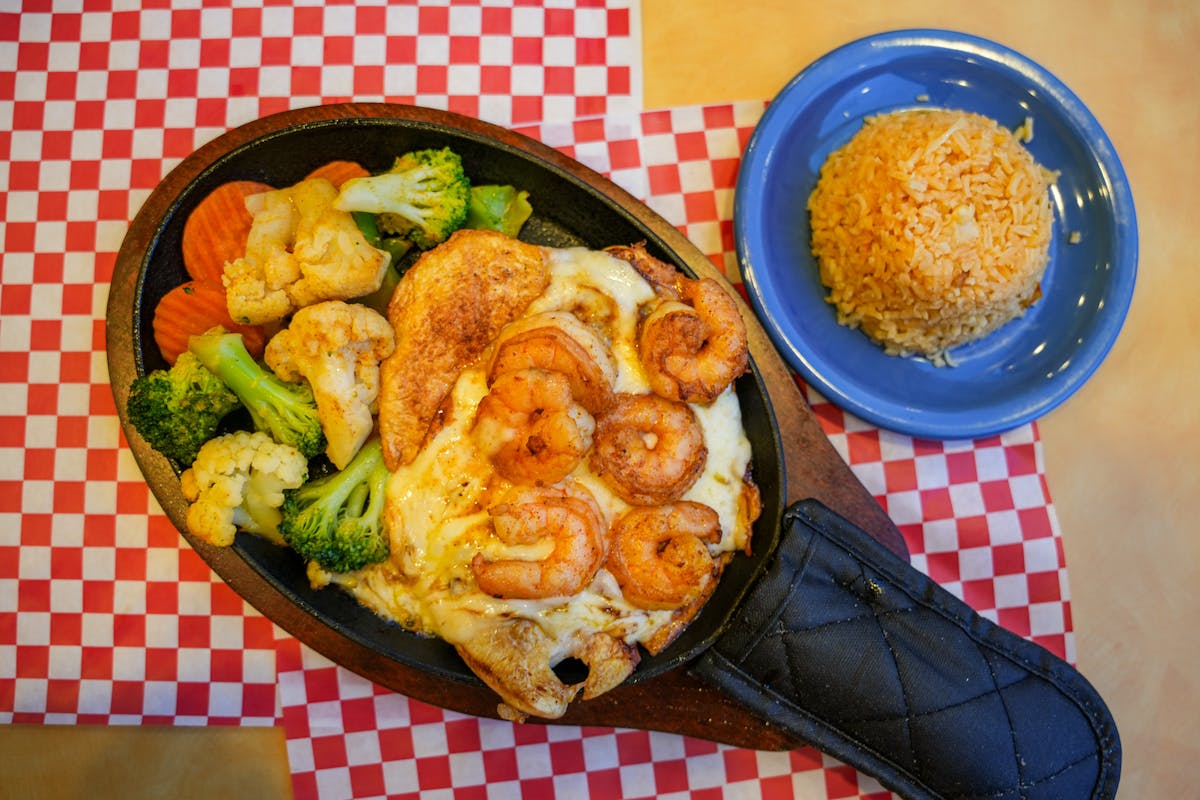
[(572, 206)]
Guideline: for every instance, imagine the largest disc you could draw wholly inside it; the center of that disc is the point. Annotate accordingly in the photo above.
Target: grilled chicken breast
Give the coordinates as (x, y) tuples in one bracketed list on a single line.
[(446, 311)]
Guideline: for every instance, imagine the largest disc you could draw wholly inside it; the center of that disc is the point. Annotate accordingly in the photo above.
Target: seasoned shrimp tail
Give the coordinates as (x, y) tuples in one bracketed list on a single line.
[(647, 449), (693, 350), (666, 280), (659, 554), (569, 518), (556, 341), (531, 428)]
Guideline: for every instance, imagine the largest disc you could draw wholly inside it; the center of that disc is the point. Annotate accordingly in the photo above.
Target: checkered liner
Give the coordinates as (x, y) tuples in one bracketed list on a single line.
[(106, 616)]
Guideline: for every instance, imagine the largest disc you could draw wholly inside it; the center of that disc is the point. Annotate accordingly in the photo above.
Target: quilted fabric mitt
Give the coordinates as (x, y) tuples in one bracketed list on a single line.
[(850, 648)]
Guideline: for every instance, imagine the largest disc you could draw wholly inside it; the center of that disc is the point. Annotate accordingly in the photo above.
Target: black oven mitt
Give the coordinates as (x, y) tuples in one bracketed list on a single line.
[(848, 647)]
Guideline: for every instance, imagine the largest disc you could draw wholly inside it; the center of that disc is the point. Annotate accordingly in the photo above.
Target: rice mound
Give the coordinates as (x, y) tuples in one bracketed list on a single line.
[(931, 228)]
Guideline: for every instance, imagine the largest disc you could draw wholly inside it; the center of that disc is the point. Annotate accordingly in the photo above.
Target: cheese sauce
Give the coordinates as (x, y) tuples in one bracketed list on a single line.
[(437, 504)]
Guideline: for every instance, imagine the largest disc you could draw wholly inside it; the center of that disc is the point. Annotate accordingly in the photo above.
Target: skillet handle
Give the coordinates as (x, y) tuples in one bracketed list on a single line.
[(850, 648)]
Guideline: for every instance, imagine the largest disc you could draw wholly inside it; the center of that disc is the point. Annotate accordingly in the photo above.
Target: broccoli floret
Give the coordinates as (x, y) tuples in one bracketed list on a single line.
[(337, 520), (423, 197), (396, 246), (498, 208), (285, 411), (177, 410)]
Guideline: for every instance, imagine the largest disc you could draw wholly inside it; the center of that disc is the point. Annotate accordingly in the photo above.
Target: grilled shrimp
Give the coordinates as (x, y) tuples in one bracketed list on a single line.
[(693, 344), (648, 449), (693, 350), (659, 556), (531, 428), (556, 341), (569, 517)]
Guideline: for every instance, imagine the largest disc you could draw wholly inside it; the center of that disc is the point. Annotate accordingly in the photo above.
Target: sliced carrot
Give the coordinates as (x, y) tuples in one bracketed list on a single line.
[(216, 230), (338, 172), (193, 308)]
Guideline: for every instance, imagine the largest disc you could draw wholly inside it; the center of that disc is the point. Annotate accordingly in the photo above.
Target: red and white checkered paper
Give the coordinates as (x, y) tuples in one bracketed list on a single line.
[(106, 616)]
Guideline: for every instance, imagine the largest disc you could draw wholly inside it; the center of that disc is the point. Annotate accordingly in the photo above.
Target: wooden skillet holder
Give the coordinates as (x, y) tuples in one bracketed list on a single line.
[(675, 701)]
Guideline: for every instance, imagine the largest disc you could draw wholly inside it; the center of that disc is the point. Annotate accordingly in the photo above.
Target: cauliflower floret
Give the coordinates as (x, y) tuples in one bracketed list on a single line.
[(256, 284), (337, 348), (301, 250), (238, 481)]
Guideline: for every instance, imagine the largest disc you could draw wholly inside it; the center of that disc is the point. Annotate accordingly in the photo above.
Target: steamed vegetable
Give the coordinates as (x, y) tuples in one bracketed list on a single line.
[(216, 230), (193, 308), (498, 208), (337, 520), (177, 410), (336, 348), (237, 482), (285, 411), (301, 250), (422, 198)]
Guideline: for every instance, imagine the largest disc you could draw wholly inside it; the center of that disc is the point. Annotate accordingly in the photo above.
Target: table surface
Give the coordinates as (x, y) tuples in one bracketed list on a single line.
[(1121, 455)]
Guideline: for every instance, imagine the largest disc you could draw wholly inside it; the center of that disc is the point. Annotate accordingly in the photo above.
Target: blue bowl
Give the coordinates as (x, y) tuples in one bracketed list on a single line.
[(1020, 371)]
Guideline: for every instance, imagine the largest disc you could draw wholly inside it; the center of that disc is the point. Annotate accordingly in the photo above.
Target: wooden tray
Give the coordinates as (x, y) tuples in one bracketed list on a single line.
[(673, 701)]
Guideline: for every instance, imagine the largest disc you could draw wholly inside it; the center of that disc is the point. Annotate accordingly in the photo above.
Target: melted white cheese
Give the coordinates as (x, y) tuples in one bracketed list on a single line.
[(593, 277), (438, 503)]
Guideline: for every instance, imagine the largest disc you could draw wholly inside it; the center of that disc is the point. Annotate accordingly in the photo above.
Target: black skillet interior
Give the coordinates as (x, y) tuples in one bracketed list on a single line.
[(571, 207)]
